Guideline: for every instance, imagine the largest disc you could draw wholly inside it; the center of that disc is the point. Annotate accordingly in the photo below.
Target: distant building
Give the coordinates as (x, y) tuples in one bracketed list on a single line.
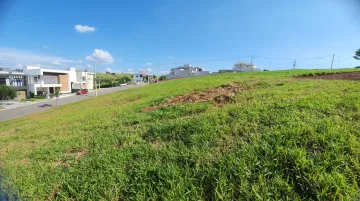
[(186, 71), (241, 67), (139, 77)]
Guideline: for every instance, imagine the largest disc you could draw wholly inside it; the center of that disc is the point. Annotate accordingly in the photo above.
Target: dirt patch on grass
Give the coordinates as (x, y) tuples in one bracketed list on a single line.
[(157, 144), (8, 132), (220, 95), (81, 154), (25, 161), (78, 153), (333, 76), (60, 163)]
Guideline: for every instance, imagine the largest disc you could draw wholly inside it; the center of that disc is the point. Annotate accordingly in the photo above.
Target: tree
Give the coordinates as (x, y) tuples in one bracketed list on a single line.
[(357, 54), (7, 92), (163, 77)]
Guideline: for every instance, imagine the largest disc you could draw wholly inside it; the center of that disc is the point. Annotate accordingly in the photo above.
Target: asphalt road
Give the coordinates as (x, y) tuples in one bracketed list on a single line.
[(44, 105)]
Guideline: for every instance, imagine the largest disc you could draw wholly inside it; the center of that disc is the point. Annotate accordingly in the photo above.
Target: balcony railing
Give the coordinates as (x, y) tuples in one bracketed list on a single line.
[(18, 82)]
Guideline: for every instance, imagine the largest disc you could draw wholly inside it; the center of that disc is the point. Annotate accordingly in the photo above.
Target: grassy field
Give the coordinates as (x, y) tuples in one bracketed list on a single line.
[(282, 139)]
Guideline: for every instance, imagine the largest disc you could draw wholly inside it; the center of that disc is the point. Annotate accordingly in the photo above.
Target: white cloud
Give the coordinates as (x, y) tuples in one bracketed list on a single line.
[(100, 56), (145, 71), (84, 28), (130, 69), (56, 63), (149, 64), (13, 57), (170, 57), (79, 61)]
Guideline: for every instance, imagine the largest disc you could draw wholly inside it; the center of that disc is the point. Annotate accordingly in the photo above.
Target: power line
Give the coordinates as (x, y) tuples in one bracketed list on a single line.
[(203, 61)]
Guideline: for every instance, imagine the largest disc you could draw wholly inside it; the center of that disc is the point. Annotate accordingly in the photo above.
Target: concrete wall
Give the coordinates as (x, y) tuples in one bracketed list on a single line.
[(20, 95), (90, 81), (72, 74)]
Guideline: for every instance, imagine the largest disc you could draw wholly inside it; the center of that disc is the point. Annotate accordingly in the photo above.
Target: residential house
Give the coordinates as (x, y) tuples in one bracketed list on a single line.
[(16, 79), (138, 77), (241, 67), (81, 80), (47, 81), (186, 71)]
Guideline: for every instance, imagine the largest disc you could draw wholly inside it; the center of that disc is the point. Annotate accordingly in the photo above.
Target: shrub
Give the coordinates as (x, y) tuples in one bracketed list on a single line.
[(7, 92), (32, 94)]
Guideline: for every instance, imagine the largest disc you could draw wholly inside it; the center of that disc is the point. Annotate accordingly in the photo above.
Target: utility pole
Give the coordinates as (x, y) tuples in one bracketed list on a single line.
[(294, 64), (95, 80), (251, 59), (332, 62)]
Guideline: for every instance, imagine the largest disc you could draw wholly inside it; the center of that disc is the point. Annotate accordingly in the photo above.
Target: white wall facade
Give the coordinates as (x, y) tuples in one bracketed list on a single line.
[(90, 81), (34, 71), (186, 71), (245, 67), (138, 77)]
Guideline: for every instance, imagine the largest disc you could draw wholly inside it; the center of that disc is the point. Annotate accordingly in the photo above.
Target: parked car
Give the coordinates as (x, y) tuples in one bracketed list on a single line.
[(123, 84), (82, 91)]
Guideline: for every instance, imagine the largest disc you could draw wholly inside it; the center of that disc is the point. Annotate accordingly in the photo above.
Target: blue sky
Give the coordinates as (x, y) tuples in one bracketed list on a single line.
[(160, 34)]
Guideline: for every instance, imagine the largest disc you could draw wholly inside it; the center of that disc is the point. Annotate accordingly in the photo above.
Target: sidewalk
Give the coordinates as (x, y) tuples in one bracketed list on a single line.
[(10, 104)]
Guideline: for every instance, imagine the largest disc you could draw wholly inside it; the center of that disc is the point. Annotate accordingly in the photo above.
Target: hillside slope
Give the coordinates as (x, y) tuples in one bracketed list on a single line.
[(270, 136)]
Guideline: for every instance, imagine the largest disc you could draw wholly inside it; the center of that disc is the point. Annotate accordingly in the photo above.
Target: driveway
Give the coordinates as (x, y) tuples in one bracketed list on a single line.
[(44, 105)]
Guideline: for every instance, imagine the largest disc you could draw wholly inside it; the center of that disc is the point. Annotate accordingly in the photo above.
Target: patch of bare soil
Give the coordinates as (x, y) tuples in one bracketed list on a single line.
[(25, 161), (220, 95), (8, 132), (78, 153), (60, 163), (334, 76)]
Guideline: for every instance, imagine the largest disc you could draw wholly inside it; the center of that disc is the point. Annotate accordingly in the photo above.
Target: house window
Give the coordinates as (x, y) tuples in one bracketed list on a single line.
[(140, 75), (35, 79), (137, 76), (84, 78)]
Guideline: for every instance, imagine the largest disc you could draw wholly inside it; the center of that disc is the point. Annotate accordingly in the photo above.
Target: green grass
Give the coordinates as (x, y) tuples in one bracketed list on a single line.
[(288, 139), (36, 98)]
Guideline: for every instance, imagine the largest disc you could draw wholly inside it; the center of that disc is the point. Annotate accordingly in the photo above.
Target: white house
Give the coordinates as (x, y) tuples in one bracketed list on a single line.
[(245, 67), (81, 80), (42, 80), (186, 71), (241, 67), (139, 77)]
